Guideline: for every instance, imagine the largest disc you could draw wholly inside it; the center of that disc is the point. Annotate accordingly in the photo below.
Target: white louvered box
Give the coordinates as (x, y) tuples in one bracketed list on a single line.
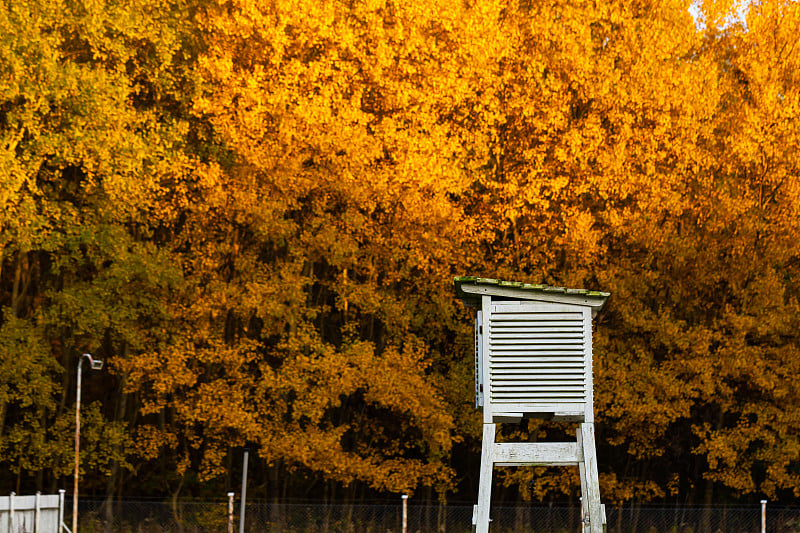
[(533, 349)]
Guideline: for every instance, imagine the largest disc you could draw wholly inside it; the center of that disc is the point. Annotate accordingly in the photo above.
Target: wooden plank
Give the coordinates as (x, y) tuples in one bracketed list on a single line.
[(537, 355), (537, 312), (574, 370), (568, 360), (535, 302), (589, 414), (591, 492), (528, 343), (28, 503), (511, 401), (539, 358), (570, 375), (540, 407), (515, 317), (542, 370), (537, 453), (535, 395), (518, 338), (548, 406), (556, 327), (535, 379), (486, 304), (502, 403), (555, 345), (554, 372), (576, 349), (532, 373), (510, 398), (485, 480), (521, 371), (522, 357), (542, 306), (541, 322), (508, 328), (537, 351), (533, 336), (539, 389), (533, 359), (568, 416), (519, 380), (584, 500), (503, 388), (566, 372), (512, 386)]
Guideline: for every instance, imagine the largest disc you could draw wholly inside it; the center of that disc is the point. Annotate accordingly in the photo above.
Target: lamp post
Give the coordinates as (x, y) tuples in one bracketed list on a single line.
[(95, 365)]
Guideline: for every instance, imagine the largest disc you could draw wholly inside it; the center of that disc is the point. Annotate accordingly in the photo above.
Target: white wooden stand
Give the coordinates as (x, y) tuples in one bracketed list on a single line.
[(580, 453)]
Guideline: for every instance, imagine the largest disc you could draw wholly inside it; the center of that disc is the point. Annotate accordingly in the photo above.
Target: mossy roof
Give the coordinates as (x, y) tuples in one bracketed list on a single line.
[(532, 288)]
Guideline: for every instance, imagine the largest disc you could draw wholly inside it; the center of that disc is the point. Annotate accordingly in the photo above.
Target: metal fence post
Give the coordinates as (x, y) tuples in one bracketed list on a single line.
[(61, 493), (11, 511), (763, 516), (230, 512), (405, 513), (244, 491), (37, 512)]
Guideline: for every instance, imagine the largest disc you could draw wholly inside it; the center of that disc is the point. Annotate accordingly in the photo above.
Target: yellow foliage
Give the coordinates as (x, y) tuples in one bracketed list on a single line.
[(253, 210)]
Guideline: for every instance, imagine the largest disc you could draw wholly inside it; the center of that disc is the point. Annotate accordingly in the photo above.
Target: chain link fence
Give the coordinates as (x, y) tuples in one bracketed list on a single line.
[(197, 517)]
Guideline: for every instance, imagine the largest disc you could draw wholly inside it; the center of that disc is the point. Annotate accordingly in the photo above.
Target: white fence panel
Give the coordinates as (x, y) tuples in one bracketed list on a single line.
[(31, 514)]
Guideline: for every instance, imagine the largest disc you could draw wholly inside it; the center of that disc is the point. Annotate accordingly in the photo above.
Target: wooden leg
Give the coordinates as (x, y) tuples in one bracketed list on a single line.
[(590, 483), (584, 500), (485, 485)]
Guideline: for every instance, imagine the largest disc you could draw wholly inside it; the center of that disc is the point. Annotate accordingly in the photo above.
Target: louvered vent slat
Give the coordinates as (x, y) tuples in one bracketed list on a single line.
[(536, 356), (546, 368), (510, 361)]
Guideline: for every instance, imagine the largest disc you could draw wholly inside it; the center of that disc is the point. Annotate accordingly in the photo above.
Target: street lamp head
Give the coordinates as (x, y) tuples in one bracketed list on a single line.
[(96, 364)]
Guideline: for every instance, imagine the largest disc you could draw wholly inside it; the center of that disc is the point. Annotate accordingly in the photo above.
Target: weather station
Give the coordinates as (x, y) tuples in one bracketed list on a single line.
[(533, 359)]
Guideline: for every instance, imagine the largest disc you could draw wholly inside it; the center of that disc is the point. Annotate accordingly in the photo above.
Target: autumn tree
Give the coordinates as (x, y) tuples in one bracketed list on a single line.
[(322, 240), (254, 210), (633, 154), (84, 155)]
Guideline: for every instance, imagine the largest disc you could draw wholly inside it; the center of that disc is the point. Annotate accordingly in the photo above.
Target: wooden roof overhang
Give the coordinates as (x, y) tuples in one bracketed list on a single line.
[(470, 289)]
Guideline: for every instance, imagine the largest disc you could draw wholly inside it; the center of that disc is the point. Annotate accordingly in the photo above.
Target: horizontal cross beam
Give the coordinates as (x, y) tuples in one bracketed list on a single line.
[(537, 454)]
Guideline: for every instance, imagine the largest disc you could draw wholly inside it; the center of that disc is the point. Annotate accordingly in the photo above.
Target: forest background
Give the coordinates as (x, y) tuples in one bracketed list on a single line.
[(253, 212)]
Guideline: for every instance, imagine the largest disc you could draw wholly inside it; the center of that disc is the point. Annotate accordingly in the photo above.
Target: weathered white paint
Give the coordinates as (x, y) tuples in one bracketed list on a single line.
[(593, 302), (34, 513), (591, 487), (537, 454), (485, 487), (534, 359), (486, 303)]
